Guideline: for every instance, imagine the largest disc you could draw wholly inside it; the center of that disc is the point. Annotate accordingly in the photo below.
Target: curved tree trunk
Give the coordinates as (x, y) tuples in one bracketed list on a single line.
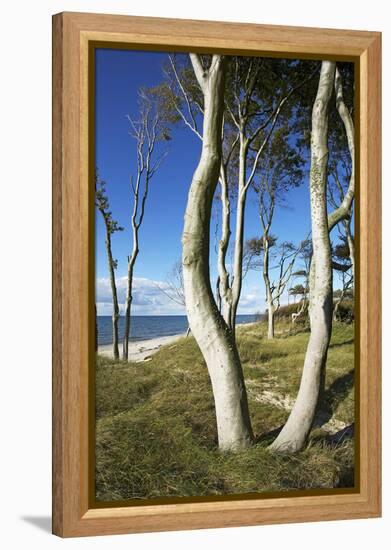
[(343, 211), (295, 432), (223, 283), (207, 325), (230, 294)]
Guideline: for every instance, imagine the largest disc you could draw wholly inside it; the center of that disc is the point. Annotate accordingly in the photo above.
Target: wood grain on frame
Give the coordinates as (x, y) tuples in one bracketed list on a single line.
[(72, 254)]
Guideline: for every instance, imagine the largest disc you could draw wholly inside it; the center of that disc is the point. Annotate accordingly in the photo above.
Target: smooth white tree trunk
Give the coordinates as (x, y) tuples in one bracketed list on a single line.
[(344, 209), (223, 286), (230, 293), (294, 434), (212, 334)]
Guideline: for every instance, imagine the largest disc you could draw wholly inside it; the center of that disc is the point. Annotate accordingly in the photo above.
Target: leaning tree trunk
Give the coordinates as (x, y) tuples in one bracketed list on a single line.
[(207, 325), (293, 436), (223, 284)]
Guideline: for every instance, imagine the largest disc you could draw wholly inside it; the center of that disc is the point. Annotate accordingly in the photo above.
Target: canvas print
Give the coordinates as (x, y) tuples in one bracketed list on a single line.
[(224, 275)]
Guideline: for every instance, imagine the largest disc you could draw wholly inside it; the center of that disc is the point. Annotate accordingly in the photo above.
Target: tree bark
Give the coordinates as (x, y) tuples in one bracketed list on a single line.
[(344, 209), (269, 293), (270, 324), (129, 291), (115, 315), (110, 227), (223, 285), (239, 229), (207, 325), (145, 131), (294, 434)]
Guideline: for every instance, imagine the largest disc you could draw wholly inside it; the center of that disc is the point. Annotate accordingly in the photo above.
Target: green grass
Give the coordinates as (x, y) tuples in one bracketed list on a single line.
[(156, 432)]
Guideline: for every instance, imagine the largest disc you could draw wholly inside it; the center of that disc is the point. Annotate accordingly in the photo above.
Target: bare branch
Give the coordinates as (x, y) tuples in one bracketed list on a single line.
[(193, 124)]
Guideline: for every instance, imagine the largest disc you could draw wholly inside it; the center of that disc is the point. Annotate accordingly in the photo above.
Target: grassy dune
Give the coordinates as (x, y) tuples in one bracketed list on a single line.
[(156, 433)]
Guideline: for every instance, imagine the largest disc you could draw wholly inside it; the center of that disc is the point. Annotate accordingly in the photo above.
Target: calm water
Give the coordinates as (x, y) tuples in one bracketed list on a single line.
[(145, 327)]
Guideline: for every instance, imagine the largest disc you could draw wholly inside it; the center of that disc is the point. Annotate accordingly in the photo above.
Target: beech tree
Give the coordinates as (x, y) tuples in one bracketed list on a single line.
[(341, 184), (281, 170), (295, 432), (258, 92), (343, 211), (258, 111), (283, 257), (207, 325), (336, 198), (149, 129), (111, 226)]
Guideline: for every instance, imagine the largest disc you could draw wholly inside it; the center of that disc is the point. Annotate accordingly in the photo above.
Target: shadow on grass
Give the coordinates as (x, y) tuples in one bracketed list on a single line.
[(340, 344), (337, 441), (268, 437), (294, 332), (341, 436), (334, 394), (275, 354)]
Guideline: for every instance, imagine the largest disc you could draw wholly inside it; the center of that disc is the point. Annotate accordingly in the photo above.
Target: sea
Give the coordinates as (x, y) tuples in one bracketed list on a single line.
[(146, 327)]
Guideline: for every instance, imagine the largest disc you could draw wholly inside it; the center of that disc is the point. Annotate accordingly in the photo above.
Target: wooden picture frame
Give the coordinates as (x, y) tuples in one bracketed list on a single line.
[(73, 34)]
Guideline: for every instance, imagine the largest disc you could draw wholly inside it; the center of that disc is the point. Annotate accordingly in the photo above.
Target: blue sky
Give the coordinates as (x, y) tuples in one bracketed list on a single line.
[(119, 75)]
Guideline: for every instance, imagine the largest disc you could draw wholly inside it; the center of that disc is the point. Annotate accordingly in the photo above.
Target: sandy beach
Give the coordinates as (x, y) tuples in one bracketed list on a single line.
[(141, 350)]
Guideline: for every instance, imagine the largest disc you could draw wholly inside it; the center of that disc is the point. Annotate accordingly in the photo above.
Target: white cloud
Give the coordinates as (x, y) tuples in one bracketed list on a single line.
[(251, 301), (148, 299)]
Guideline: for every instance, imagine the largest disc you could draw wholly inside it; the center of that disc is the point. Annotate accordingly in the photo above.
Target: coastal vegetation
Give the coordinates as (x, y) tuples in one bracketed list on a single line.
[(268, 406), (155, 420)]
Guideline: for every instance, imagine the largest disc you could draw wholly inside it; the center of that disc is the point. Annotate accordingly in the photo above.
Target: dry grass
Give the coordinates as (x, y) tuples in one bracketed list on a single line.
[(156, 433)]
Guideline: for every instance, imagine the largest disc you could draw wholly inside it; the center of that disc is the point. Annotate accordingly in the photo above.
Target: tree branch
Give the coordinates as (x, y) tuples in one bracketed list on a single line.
[(199, 71), (344, 209)]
